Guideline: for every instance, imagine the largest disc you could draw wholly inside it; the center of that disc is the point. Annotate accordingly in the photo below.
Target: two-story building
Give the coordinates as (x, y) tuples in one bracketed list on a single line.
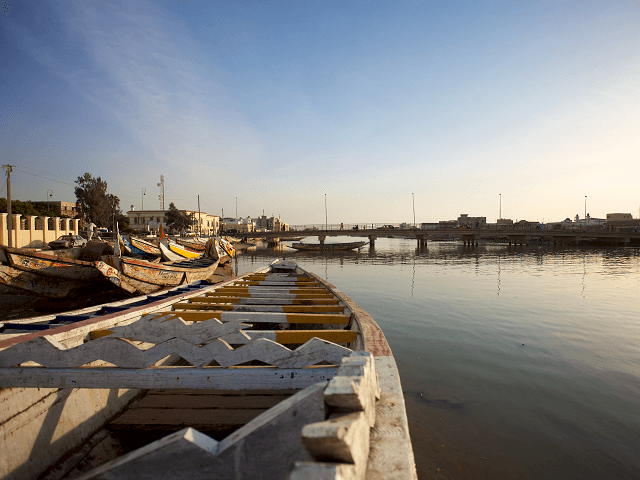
[(149, 221)]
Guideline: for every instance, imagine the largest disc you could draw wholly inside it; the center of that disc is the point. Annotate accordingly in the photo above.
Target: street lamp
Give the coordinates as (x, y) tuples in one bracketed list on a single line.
[(413, 197), (500, 206), (49, 195), (144, 192), (585, 210), (236, 208), (325, 212)]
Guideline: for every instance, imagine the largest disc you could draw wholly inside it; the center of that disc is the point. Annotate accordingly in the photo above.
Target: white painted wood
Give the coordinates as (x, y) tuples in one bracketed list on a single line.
[(361, 363), (342, 438), (155, 329), (352, 394), (242, 338), (323, 471), (207, 378), (192, 454), (391, 453), (268, 351), (48, 352)]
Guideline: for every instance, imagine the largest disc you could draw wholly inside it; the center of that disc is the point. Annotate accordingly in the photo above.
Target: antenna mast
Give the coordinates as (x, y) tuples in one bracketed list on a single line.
[(161, 196)]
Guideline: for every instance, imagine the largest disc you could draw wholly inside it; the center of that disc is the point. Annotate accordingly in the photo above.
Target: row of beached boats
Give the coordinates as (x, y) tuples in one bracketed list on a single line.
[(133, 264), (274, 374)]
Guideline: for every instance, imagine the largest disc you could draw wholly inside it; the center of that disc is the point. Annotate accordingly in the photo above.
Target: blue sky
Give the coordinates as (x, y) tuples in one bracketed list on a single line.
[(279, 103)]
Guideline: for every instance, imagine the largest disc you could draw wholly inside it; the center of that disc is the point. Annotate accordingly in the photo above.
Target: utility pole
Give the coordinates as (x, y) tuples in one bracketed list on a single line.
[(413, 197), (9, 218), (199, 222)]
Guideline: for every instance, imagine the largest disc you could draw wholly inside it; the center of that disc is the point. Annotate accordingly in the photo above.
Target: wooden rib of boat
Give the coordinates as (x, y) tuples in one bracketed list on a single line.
[(328, 246), (268, 400), (140, 276)]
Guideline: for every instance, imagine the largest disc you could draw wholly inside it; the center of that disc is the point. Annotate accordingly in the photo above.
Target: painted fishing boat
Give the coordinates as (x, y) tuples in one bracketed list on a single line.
[(328, 246), (148, 248), (183, 251), (217, 383), (55, 273), (196, 244), (140, 276)]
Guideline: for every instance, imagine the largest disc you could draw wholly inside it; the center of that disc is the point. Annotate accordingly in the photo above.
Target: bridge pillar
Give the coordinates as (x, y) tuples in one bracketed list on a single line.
[(322, 238), (372, 241)]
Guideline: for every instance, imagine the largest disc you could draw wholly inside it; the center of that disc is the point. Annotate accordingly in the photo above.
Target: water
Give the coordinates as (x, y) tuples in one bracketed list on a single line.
[(515, 363)]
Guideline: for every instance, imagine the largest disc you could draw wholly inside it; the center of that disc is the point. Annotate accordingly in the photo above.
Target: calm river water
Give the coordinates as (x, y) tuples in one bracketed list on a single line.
[(515, 363)]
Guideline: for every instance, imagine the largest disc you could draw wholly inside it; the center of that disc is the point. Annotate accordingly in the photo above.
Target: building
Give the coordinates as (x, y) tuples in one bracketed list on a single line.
[(238, 225), (149, 221), (616, 217), (62, 209), (474, 222)]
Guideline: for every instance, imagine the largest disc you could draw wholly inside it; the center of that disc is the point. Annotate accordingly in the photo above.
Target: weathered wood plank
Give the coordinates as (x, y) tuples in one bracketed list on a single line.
[(323, 471), (157, 329), (292, 336), (342, 438), (259, 308), (260, 317), (175, 419), (207, 378), (47, 352), (269, 301), (266, 447), (181, 401), (225, 293)]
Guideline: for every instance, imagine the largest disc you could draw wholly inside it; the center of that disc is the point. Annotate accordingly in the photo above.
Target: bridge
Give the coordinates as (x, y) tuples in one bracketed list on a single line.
[(560, 235)]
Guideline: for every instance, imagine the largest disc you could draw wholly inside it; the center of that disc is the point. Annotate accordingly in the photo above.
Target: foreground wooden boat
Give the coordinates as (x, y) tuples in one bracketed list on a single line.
[(310, 390), (328, 246), (54, 273)]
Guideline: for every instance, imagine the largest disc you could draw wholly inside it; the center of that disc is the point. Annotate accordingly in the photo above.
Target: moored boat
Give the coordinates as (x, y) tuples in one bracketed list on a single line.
[(145, 247), (328, 246), (273, 400), (140, 276), (54, 273)]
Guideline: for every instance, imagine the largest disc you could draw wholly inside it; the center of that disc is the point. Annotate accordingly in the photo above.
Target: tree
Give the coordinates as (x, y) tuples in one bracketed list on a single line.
[(26, 208), (93, 203), (176, 219)]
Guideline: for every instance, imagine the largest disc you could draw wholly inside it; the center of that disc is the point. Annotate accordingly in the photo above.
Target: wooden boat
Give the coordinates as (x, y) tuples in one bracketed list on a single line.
[(183, 251), (196, 244), (148, 248), (140, 276), (182, 387), (55, 273), (291, 239), (328, 246)]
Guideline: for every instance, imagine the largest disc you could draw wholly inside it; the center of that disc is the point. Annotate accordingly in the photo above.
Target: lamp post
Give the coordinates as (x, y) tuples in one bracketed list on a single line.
[(413, 198), (144, 192), (236, 208), (500, 206), (49, 195), (325, 212), (585, 210)]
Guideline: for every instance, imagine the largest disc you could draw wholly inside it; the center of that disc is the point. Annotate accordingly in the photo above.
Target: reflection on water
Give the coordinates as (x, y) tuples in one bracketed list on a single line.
[(515, 362)]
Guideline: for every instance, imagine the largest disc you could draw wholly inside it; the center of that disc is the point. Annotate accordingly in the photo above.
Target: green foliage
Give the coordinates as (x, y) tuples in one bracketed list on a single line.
[(93, 203), (177, 220), (26, 208)]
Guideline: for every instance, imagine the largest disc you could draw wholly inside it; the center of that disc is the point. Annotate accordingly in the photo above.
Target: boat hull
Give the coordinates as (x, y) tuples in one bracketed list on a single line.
[(328, 246)]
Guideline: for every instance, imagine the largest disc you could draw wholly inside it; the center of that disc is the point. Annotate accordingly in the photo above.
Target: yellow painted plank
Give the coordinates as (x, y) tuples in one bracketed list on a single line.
[(303, 336), (194, 305), (100, 333), (225, 293), (325, 319)]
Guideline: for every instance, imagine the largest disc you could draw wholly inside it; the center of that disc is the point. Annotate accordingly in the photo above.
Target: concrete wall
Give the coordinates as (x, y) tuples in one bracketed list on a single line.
[(29, 231)]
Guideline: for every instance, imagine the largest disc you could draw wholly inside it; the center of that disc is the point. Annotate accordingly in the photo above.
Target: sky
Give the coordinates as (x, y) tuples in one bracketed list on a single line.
[(527, 108)]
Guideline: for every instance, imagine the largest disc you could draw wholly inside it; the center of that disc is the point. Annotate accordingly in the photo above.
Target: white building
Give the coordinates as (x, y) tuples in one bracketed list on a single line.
[(150, 220)]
